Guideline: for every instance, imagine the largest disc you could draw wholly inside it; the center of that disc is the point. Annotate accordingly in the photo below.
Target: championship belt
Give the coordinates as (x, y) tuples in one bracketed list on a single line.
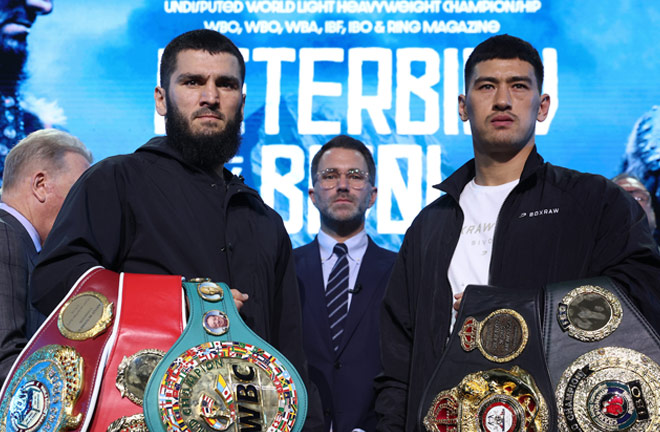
[(221, 376), (602, 357), (492, 374), (496, 400), (54, 383), (140, 341)]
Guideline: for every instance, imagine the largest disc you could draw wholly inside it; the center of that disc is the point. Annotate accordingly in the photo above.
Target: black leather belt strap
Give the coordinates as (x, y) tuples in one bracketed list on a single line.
[(561, 350), (479, 303)]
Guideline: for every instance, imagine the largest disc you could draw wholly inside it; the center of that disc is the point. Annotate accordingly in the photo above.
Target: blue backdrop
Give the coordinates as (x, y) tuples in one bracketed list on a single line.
[(387, 72)]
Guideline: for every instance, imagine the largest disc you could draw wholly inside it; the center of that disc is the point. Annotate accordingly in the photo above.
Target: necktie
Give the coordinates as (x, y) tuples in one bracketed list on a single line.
[(336, 294)]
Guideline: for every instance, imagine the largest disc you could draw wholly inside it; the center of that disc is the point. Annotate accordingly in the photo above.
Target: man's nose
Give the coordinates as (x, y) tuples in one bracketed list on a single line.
[(342, 182), (42, 7), (502, 98), (210, 94)]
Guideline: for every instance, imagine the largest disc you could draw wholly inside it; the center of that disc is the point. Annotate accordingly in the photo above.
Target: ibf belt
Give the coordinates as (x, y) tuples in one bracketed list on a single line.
[(610, 389), (54, 383), (221, 376), (495, 327), (496, 400), (140, 341)]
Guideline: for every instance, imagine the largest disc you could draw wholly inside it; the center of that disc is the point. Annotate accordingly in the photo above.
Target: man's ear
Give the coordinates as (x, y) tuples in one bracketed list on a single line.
[(310, 193), (374, 193), (161, 101), (544, 107), (39, 186), (462, 108)]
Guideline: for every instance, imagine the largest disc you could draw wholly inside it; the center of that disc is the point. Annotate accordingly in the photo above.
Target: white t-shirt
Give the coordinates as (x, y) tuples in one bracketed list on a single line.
[(470, 263)]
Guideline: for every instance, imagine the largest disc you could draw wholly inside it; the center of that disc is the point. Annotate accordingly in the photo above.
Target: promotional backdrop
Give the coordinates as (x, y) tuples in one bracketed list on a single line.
[(386, 72)]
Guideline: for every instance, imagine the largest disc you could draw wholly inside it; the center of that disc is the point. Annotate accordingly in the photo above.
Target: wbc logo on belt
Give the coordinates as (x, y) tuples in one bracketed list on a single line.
[(227, 386)]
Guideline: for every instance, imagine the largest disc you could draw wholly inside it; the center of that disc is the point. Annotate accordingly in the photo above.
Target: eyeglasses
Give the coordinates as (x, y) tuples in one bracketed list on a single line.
[(329, 178)]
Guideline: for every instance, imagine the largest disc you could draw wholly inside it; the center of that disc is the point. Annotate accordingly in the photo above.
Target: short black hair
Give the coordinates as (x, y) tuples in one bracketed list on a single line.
[(198, 40), (344, 141), (504, 47)]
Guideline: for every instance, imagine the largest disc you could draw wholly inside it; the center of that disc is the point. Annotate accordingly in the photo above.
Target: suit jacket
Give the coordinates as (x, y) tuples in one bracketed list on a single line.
[(345, 378), (17, 259)]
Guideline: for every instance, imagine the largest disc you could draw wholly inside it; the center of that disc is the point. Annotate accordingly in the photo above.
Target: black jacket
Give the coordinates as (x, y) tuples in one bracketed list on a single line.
[(151, 212), (556, 225)]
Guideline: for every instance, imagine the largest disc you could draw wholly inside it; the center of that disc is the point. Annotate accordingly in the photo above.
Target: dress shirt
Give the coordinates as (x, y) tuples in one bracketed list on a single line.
[(34, 235), (357, 246)]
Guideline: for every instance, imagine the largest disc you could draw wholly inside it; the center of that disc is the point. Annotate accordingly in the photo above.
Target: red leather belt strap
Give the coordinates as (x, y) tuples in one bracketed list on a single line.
[(149, 316), (91, 350)]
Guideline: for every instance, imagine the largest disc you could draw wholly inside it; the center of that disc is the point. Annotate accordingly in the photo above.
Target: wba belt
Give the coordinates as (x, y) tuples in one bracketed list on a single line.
[(603, 358), (220, 375), (54, 382), (492, 374), (149, 319)]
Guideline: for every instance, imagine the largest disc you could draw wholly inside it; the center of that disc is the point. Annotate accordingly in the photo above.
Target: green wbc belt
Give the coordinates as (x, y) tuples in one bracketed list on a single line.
[(221, 376)]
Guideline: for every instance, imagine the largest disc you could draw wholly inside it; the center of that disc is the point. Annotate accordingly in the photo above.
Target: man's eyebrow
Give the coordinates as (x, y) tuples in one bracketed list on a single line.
[(483, 79), (523, 78), (494, 80), (227, 78), (187, 76)]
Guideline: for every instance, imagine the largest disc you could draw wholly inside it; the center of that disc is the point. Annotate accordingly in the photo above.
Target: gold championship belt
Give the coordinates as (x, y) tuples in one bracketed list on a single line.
[(85, 316), (602, 357), (496, 400), (43, 392), (220, 376), (500, 337), (140, 342), (53, 385), (134, 423), (492, 374), (589, 313), (610, 389)]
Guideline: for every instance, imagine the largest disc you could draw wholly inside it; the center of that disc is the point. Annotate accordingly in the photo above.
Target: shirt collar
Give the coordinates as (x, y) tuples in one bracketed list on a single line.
[(34, 235), (357, 245)]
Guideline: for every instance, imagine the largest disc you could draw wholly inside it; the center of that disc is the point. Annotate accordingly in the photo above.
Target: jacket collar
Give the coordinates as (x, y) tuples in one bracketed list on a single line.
[(160, 146), (455, 183)]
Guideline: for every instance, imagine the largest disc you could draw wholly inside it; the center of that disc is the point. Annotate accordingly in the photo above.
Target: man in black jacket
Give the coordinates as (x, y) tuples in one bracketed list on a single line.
[(172, 208), (507, 219)]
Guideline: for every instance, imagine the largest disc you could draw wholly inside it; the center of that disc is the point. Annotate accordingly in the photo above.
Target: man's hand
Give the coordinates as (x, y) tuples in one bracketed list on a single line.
[(457, 303), (239, 298)]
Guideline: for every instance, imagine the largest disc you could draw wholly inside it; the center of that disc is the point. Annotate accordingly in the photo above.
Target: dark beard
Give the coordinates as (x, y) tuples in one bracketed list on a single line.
[(205, 151)]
